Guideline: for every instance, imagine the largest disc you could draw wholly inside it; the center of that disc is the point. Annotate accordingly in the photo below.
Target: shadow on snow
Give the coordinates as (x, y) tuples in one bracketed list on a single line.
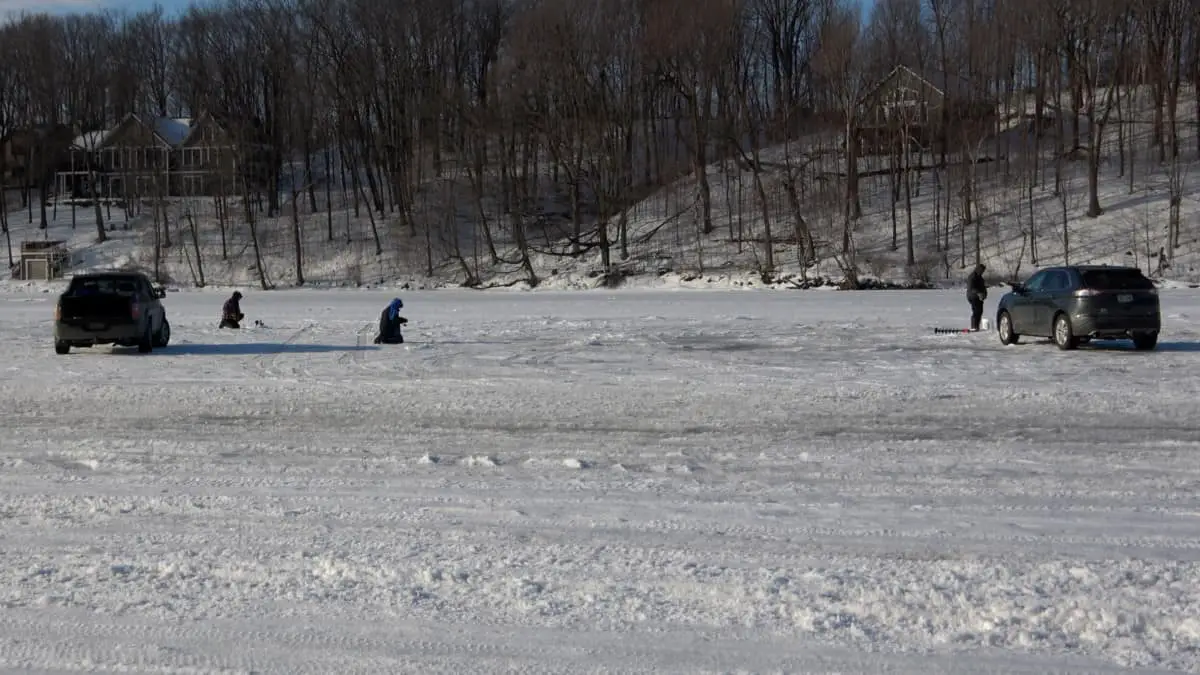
[(1127, 346), (254, 349)]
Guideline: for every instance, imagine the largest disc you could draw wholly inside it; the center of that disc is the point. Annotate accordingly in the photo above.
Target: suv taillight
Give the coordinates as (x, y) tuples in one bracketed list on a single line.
[(1091, 292), (58, 312), (135, 310)]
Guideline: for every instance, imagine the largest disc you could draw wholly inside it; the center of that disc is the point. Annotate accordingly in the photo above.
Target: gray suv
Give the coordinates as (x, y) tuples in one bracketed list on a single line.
[(1074, 304)]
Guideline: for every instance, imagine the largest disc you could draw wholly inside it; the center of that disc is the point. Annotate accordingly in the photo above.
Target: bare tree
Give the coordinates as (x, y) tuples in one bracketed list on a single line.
[(896, 37), (395, 111), (9, 113), (838, 63), (786, 36), (1104, 32), (688, 41)]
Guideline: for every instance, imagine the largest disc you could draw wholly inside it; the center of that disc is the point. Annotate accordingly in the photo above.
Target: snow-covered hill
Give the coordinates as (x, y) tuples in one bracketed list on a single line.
[(1018, 226)]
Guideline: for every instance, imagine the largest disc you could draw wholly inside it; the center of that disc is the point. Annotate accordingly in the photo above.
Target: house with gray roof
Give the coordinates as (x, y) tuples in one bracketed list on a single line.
[(159, 157)]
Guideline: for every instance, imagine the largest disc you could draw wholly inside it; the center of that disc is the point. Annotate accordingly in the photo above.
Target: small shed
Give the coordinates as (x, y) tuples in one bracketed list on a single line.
[(43, 260)]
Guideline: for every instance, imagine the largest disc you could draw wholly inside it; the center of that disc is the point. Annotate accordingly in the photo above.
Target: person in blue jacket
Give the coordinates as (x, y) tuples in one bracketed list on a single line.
[(389, 324)]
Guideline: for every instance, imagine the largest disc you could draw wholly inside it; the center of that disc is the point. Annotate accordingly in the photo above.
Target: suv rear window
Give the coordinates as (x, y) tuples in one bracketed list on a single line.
[(1116, 280), (103, 286)]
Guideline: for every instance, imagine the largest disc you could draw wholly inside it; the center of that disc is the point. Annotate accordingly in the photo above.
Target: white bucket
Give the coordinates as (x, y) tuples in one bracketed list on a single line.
[(984, 324)]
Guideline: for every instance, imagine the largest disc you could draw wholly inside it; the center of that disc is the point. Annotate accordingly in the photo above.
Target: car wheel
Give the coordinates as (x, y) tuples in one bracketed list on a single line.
[(1005, 328), (1064, 335), (1145, 341), (62, 348), (146, 344), (164, 335)]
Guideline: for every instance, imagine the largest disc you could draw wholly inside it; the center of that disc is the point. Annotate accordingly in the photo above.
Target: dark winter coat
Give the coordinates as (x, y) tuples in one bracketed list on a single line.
[(976, 286), (389, 326), (232, 309)]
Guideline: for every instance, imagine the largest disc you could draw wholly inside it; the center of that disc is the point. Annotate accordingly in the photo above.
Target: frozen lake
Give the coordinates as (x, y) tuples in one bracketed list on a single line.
[(576, 482)]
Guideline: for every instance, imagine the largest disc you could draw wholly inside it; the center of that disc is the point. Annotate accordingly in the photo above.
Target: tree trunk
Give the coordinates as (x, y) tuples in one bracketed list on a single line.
[(1158, 96), (1175, 197), (1039, 111), (251, 221), (1066, 230), (894, 194), (101, 235), (1096, 131), (769, 240), (328, 195), (308, 174), (200, 281), (700, 165), (4, 225), (804, 238), (1173, 104), (910, 252), (1120, 134), (576, 198), (850, 209), (518, 186), (296, 234), (222, 214), (158, 228), (45, 223)]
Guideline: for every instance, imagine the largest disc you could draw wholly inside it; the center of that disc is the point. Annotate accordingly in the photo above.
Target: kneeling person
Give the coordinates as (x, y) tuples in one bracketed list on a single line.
[(231, 313), (389, 324)]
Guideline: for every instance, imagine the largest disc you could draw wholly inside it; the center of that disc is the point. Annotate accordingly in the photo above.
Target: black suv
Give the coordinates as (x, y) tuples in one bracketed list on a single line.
[(121, 308), (1078, 303)]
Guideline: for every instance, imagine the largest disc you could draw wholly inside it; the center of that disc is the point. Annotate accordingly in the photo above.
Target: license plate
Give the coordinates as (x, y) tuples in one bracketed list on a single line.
[(97, 326), (1125, 297)]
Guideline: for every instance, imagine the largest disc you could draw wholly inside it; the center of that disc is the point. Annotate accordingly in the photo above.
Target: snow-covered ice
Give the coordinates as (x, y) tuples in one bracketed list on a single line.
[(576, 482)]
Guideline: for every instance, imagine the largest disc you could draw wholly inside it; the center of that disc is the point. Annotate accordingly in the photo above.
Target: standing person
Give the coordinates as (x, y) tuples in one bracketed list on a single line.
[(389, 324), (976, 294), (231, 313)]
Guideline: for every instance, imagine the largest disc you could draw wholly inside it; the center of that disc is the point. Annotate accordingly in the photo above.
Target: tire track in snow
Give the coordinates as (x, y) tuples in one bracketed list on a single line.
[(436, 646), (94, 644), (267, 365), (370, 649), (699, 534)]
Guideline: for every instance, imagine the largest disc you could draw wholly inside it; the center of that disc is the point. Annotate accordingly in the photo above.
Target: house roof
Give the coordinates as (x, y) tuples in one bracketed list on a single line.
[(945, 84), (195, 125), (172, 131), (92, 139)]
